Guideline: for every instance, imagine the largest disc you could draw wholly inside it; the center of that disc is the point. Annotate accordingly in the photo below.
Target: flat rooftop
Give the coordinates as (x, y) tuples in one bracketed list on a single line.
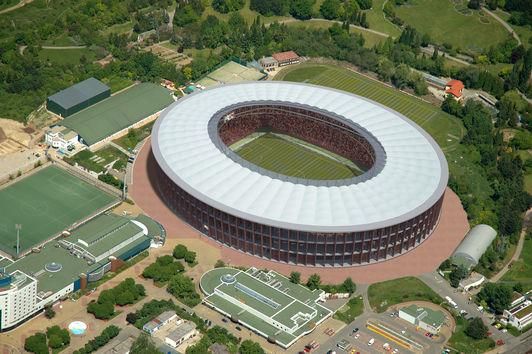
[(118, 112), (271, 294), (79, 92), (71, 266)]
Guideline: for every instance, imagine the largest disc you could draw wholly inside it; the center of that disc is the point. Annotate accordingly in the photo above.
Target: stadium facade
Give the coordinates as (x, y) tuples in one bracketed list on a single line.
[(386, 211)]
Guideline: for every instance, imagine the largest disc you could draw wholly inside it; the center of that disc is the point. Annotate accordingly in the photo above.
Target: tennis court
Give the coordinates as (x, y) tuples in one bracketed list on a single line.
[(45, 203)]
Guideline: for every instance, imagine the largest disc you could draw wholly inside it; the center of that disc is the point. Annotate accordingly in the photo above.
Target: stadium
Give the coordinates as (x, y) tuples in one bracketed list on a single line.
[(299, 174)]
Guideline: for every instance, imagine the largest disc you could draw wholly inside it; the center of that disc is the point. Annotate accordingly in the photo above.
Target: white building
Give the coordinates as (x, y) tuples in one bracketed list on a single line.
[(520, 316), (61, 138), (162, 320), (473, 281), (182, 333), (425, 318)]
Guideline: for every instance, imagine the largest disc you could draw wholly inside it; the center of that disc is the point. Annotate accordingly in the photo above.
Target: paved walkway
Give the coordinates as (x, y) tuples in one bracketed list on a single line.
[(424, 258), (504, 23), (386, 35), (14, 7), (518, 249)]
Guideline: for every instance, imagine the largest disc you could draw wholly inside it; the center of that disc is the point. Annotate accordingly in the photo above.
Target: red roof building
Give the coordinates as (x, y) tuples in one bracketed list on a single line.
[(286, 58), (455, 88)]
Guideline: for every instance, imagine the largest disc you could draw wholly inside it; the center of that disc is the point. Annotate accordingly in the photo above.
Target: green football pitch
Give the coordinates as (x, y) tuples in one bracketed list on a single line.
[(45, 203), (444, 128), (290, 157)]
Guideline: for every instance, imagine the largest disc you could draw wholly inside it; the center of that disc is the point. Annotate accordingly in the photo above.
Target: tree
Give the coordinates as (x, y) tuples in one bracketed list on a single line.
[(125, 298), (301, 9), (219, 264), (270, 7), (518, 287), (330, 9), (474, 4), (131, 318), (190, 257), (348, 286), (295, 277), (49, 312), (250, 347), (183, 288), (143, 345), (365, 4), (180, 251), (225, 6), (36, 344), (476, 329), (401, 76), (313, 282), (458, 274), (103, 311), (497, 296), (446, 264)]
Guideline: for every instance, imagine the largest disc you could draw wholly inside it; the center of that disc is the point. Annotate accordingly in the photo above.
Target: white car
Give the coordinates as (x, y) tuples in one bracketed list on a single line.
[(371, 341)]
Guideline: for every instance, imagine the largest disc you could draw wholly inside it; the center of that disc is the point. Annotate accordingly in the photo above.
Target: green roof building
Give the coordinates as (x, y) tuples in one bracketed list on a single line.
[(118, 112), (77, 97), (423, 317)]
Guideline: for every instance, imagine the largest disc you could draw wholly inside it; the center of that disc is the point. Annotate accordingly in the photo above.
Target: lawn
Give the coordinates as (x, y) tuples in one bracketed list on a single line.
[(465, 344), (291, 158), (45, 203), (63, 40), (135, 136), (392, 292), (377, 22), (350, 311), (67, 56), (522, 268), (445, 129), (370, 38), (524, 32), (446, 22), (98, 161), (117, 83)]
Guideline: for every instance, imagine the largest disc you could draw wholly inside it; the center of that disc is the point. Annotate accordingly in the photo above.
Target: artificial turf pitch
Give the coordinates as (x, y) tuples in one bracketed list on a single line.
[(45, 203), (277, 154)]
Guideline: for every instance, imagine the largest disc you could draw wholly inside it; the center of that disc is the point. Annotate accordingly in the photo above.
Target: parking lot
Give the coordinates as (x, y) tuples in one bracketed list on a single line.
[(389, 334)]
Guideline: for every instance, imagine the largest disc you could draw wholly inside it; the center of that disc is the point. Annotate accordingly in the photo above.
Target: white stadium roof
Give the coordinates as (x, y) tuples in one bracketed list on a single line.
[(413, 178)]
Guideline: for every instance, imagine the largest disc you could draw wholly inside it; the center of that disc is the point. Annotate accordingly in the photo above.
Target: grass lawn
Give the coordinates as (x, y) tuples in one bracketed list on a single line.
[(465, 344), (370, 38), (392, 292), (290, 157), (524, 32), (522, 268), (442, 20), (446, 129), (62, 40), (350, 311), (117, 83), (45, 203), (377, 22), (97, 161), (119, 28), (67, 56), (129, 141)]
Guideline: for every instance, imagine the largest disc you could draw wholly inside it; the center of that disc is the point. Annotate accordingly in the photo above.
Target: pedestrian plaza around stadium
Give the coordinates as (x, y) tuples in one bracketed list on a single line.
[(265, 302)]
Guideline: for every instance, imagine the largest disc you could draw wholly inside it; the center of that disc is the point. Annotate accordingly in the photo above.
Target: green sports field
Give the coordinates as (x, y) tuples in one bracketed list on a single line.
[(45, 203), (291, 157), (444, 128)]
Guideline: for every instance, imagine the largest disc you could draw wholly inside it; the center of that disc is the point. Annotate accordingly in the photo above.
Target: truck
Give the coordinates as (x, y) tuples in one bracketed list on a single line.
[(451, 302)]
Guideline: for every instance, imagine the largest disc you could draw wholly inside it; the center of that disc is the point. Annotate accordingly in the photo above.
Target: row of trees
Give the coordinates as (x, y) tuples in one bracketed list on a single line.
[(182, 252), (99, 341), (163, 269), (55, 338), (314, 282), (125, 293)]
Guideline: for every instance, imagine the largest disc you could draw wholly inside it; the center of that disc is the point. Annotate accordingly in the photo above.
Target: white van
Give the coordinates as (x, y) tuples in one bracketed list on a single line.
[(371, 341)]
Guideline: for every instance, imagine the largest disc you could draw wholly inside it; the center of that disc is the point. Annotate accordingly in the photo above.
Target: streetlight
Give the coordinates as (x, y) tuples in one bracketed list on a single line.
[(18, 227)]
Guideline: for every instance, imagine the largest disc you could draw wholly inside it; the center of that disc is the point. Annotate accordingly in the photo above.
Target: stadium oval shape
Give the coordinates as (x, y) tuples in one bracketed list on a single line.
[(391, 209)]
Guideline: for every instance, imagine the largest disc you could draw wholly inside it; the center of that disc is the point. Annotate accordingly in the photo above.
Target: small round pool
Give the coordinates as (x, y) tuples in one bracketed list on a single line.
[(77, 328)]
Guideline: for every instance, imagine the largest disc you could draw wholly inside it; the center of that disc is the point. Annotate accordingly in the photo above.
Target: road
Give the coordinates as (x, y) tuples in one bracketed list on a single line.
[(504, 23), (437, 283)]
